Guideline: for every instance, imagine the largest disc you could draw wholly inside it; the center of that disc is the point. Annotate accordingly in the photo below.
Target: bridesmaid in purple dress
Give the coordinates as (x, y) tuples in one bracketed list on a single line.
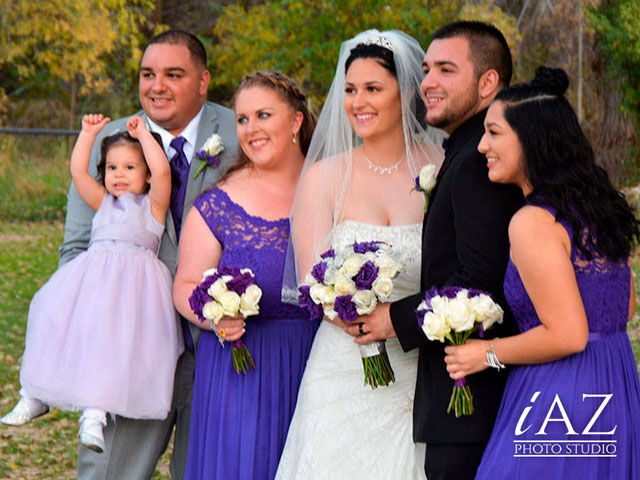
[(239, 422), (571, 406)]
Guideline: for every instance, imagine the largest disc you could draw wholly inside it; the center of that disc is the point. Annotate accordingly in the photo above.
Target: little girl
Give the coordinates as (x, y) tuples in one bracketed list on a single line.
[(102, 334)]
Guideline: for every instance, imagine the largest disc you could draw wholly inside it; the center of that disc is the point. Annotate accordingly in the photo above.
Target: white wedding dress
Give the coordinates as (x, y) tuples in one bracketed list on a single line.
[(342, 429)]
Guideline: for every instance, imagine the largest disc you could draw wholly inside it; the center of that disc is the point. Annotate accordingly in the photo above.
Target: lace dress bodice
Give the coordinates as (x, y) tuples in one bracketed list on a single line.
[(600, 282), (251, 242)]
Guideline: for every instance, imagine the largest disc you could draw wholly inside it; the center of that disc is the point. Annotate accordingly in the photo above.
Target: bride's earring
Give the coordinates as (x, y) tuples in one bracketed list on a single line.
[(294, 140)]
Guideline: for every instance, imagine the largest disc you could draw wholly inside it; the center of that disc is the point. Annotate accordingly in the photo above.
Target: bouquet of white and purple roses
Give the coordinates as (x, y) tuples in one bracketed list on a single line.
[(455, 313), (351, 283), (231, 292)]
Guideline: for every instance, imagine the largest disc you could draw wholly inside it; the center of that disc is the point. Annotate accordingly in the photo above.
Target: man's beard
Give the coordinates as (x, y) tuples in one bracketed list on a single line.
[(458, 109)]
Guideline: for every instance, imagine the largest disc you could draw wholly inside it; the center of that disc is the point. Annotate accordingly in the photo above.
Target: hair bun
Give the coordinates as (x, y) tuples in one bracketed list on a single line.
[(551, 80)]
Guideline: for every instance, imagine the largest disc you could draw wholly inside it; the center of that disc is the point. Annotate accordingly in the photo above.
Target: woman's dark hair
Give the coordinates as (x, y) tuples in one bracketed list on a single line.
[(291, 94), (119, 139), (560, 165), (385, 59)]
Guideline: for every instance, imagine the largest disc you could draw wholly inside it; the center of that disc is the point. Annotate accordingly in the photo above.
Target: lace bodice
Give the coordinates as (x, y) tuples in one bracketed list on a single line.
[(406, 241), (252, 242), (601, 283)]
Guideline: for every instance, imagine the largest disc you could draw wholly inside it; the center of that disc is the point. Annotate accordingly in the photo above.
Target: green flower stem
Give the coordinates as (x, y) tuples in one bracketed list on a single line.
[(242, 359), (378, 371)]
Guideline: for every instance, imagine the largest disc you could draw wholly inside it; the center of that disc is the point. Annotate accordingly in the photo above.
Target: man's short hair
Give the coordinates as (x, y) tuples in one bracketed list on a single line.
[(488, 48), (180, 37)]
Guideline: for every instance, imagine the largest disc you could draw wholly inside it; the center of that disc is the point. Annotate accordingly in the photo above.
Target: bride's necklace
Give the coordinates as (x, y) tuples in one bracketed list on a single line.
[(381, 170)]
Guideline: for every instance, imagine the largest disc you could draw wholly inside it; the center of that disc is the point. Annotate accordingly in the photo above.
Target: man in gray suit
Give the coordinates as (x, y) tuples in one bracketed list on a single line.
[(173, 87)]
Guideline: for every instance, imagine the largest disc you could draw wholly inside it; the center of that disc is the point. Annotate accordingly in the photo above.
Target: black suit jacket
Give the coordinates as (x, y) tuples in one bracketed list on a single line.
[(464, 243)]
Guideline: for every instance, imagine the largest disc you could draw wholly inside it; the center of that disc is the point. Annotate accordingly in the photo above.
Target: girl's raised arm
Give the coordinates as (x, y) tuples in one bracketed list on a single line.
[(160, 191), (88, 188)]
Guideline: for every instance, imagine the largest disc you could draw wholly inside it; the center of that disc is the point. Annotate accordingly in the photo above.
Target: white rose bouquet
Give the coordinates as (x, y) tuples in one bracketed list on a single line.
[(454, 313), (210, 153), (228, 291), (425, 182), (349, 284)]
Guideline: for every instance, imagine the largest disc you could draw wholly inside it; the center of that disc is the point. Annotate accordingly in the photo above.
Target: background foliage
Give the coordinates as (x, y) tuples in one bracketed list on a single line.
[(60, 58)]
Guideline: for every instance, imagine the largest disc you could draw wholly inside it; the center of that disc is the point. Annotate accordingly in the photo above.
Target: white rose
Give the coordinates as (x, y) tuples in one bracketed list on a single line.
[(365, 302), (249, 300), (230, 302), (428, 177), (435, 327), (459, 317), (212, 311), (352, 264), (217, 288), (329, 312), (246, 270), (486, 310), (329, 296), (213, 146), (382, 287), (387, 266), (310, 280), (344, 285), (207, 273), (370, 256), (330, 276), (317, 293)]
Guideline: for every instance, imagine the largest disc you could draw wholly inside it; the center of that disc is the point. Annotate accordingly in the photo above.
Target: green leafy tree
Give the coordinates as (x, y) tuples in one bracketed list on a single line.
[(302, 38), (71, 48)]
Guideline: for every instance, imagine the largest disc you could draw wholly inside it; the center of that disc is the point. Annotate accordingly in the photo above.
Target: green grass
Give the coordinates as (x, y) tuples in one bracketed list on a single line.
[(34, 177)]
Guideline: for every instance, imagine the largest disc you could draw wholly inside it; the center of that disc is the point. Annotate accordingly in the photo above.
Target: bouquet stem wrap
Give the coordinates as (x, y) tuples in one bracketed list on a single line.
[(461, 399), (241, 357), (376, 364)]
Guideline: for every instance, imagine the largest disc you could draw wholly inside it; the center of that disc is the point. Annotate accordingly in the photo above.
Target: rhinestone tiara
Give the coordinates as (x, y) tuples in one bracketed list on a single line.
[(375, 39)]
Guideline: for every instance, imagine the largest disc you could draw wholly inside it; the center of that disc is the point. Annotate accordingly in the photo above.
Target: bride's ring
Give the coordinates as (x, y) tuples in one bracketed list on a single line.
[(222, 333), (360, 328)]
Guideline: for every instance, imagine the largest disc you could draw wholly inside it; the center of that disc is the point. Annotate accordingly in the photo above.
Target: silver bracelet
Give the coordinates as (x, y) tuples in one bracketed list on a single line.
[(492, 358)]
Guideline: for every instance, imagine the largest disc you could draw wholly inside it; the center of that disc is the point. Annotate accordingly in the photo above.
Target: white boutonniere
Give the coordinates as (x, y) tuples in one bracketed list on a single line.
[(210, 153), (425, 182)]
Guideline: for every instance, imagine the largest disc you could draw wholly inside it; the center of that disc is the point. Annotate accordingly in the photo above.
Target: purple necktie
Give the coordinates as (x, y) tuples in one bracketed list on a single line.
[(179, 179)]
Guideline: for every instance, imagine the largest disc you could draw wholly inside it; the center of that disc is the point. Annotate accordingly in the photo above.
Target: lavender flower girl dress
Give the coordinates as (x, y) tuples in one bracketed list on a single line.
[(103, 332)]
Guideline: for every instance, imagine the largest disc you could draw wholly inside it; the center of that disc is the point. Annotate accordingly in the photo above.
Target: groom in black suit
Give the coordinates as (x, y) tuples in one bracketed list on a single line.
[(464, 243)]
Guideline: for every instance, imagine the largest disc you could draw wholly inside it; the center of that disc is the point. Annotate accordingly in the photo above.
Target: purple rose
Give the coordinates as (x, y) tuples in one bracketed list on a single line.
[(212, 161), (328, 254), (417, 184), (318, 271), (420, 314), (345, 308), (197, 300), (240, 282), (474, 292), (449, 292), (306, 303), (428, 295), (366, 275), (229, 270), (210, 280), (365, 247)]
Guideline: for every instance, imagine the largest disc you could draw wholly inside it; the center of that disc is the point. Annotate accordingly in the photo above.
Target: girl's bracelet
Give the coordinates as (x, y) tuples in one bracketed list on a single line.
[(492, 358)]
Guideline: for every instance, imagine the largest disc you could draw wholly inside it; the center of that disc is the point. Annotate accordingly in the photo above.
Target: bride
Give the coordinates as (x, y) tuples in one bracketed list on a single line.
[(369, 145)]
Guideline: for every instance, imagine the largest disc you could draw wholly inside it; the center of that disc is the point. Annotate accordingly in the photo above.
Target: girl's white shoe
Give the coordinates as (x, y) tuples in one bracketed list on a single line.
[(26, 410), (91, 425)]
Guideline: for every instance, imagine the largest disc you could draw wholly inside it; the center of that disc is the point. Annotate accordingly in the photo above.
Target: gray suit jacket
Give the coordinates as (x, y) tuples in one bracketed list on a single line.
[(215, 119)]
